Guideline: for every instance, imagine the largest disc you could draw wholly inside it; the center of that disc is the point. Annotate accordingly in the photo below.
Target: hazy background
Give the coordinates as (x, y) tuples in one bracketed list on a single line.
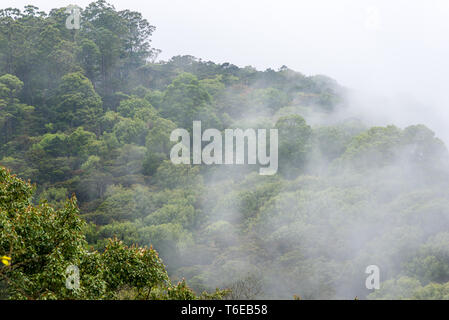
[(394, 54)]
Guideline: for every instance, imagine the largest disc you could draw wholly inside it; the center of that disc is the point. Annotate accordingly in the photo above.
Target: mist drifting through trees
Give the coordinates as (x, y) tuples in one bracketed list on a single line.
[(86, 115)]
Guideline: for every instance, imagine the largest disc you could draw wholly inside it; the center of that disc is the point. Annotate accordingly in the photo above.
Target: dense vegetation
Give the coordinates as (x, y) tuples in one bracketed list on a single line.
[(89, 113)]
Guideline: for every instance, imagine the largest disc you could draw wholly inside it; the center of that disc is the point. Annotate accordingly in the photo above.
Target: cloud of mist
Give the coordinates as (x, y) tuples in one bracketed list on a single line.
[(392, 57), (394, 50)]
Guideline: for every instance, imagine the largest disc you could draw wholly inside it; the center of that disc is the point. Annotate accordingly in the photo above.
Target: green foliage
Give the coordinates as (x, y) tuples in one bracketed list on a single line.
[(131, 131), (294, 144), (185, 101), (77, 103), (130, 107), (381, 146), (90, 113), (42, 242), (408, 288), (13, 114), (169, 175)]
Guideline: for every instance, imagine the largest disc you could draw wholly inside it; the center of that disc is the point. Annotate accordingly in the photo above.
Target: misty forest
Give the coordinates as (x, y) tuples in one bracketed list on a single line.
[(86, 177)]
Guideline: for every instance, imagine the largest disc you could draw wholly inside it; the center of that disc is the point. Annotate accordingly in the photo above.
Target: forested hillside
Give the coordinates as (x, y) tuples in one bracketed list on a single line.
[(89, 113)]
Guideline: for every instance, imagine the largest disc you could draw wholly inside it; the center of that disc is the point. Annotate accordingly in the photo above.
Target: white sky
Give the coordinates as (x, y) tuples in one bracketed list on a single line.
[(396, 48)]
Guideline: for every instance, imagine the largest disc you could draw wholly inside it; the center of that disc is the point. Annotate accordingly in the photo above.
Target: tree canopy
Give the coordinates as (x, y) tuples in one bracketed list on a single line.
[(86, 115)]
